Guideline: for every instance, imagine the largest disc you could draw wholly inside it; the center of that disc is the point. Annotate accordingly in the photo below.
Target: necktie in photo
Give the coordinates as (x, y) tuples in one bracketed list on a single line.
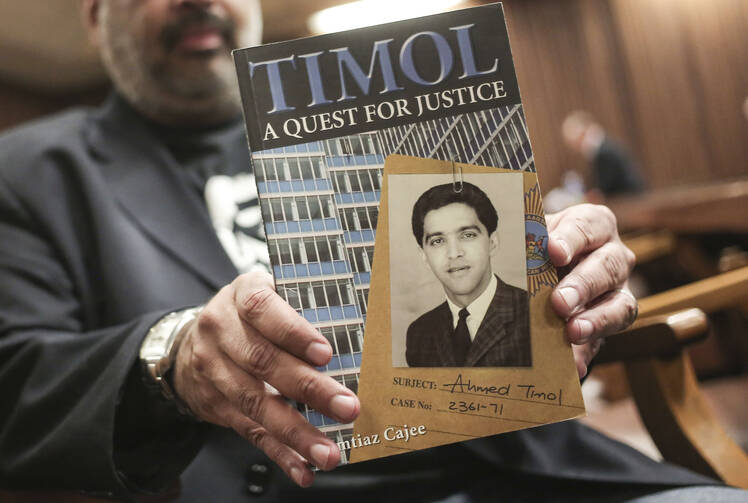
[(461, 342)]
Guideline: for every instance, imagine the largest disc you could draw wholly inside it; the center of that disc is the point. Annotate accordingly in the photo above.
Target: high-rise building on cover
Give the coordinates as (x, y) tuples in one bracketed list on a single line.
[(323, 201)]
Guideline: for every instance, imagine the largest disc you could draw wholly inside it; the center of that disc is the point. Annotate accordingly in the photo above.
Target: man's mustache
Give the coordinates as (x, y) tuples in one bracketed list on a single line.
[(173, 31)]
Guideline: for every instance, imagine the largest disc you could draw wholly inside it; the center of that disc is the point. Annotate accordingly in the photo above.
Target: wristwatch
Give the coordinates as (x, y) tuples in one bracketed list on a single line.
[(159, 350)]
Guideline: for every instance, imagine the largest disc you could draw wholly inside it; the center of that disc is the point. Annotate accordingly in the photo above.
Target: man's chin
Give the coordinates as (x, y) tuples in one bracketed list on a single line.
[(201, 79), (221, 51), (461, 290), (189, 102), (201, 56), (201, 66)]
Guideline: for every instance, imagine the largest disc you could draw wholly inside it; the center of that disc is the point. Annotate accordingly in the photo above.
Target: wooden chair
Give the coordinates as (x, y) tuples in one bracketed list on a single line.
[(663, 382)]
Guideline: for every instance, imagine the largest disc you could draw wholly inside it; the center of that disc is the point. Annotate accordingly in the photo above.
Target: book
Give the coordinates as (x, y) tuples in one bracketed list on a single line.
[(399, 193)]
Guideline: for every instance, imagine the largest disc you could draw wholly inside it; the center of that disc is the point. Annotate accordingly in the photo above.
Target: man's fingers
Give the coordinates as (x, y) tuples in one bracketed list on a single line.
[(252, 399), (599, 272), (272, 326), (583, 355), (290, 461), (578, 230), (584, 239), (611, 314), (290, 376), (240, 348), (288, 426), (259, 305)]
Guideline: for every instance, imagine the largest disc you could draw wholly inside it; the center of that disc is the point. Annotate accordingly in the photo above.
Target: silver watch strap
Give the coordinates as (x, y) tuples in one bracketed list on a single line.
[(159, 349)]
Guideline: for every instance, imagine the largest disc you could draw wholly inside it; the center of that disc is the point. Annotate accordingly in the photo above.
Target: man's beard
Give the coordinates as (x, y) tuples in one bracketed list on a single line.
[(200, 91)]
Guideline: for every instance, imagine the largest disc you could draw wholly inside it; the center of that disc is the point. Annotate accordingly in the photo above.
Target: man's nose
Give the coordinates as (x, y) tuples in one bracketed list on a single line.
[(454, 248)]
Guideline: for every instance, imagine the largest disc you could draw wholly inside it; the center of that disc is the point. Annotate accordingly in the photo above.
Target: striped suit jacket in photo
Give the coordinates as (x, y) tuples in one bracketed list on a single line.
[(503, 338)]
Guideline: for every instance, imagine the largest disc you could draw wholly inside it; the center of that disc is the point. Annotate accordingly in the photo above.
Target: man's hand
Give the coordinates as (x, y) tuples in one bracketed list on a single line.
[(246, 349), (594, 265)]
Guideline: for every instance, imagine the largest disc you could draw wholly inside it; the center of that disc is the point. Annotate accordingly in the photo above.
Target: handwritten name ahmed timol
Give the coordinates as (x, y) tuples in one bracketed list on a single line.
[(527, 391)]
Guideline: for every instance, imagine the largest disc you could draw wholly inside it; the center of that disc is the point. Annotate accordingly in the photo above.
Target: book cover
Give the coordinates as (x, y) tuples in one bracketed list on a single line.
[(404, 221)]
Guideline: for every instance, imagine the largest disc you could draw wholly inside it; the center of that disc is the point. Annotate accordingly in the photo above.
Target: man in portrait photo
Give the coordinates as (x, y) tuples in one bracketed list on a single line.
[(484, 322)]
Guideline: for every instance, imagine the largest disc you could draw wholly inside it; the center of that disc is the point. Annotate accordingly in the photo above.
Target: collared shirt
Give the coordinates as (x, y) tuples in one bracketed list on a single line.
[(477, 308)]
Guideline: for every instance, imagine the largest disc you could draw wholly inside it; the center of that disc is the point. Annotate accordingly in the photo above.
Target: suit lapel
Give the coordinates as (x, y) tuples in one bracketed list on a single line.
[(444, 337), (145, 182), (493, 327)]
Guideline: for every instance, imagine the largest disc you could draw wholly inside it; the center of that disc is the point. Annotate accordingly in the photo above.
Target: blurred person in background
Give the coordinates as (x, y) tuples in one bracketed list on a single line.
[(613, 170)]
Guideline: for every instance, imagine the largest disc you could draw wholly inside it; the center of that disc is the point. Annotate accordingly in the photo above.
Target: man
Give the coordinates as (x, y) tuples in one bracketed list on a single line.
[(614, 172), (87, 292), (484, 322), (104, 232)]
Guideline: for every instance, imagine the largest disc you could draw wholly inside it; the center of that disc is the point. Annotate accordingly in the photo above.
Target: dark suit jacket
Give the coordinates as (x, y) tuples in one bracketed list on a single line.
[(502, 340), (614, 171), (99, 238)]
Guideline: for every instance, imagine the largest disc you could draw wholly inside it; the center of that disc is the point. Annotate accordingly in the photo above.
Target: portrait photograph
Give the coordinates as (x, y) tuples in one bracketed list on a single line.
[(458, 278)]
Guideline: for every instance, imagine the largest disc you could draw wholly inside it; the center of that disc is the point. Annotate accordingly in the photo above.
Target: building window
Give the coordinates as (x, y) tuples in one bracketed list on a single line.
[(350, 381), (345, 339), (323, 249), (292, 251), (360, 258), (362, 296), (276, 205), (361, 218), (289, 168), (328, 293), (291, 209)]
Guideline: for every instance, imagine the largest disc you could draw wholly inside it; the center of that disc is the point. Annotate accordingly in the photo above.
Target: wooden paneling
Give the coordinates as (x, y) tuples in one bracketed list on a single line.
[(666, 78), (718, 43)]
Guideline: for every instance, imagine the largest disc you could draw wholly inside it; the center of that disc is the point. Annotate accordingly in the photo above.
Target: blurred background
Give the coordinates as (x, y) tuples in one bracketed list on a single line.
[(667, 78), (666, 81)]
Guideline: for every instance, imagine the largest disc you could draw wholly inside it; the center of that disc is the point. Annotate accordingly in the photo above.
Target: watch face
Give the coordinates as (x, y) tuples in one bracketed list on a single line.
[(156, 342)]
